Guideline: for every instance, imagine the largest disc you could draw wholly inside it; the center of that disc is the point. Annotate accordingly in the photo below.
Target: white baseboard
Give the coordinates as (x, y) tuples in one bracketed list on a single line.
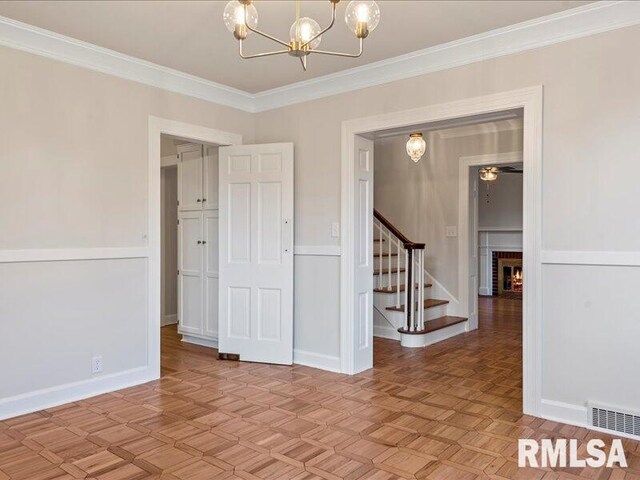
[(317, 360), (484, 291), (564, 412), (203, 342), (386, 332), (169, 319), (72, 392)]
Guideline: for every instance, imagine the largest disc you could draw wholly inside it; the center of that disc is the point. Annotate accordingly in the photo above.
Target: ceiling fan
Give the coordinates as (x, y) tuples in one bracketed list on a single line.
[(489, 174)]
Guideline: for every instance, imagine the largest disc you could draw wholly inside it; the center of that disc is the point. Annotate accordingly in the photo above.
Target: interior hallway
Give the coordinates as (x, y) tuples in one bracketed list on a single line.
[(449, 411)]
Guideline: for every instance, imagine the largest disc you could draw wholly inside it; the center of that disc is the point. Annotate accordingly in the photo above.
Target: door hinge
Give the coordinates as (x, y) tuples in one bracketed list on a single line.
[(178, 272), (178, 221), (178, 202)]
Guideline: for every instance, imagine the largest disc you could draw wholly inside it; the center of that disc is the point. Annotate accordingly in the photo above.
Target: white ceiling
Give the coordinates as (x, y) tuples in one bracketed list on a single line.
[(190, 36)]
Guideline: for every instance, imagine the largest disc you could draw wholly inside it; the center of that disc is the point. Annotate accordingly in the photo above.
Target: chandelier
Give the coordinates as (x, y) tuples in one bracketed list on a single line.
[(416, 146), (305, 35)]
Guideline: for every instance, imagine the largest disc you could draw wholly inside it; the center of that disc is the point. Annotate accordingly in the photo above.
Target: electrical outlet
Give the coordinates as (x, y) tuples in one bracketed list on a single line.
[(335, 229), (96, 364), (452, 231)]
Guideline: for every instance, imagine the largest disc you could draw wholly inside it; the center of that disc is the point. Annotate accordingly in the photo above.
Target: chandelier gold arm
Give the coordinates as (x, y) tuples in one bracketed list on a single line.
[(258, 32), (333, 21), (340, 54), (258, 55)]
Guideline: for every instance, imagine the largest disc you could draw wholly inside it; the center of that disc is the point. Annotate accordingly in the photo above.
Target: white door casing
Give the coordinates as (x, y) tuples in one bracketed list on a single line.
[(363, 258), (256, 252), (190, 288), (473, 250)]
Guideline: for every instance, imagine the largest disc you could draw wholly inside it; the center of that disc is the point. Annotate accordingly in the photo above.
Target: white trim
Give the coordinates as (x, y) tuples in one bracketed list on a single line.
[(590, 19), (170, 319), (564, 257), (316, 360), (464, 176), (317, 250), (49, 44), (169, 161), (196, 133), (203, 342), (384, 331), (67, 254), (71, 392), (500, 229), (530, 100)]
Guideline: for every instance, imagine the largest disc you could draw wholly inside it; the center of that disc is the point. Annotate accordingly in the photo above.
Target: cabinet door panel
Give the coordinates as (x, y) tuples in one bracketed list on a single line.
[(190, 180), (190, 280), (211, 274), (211, 178)]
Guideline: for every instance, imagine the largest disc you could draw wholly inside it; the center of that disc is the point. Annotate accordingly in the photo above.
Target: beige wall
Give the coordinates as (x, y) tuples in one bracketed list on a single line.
[(590, 189), (74, 174), (500, 202), (421, 199)]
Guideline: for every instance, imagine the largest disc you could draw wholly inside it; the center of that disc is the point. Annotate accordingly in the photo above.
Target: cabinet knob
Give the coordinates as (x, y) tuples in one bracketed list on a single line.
[(204, 242), (204, 199), (199, 242), (198, 200)]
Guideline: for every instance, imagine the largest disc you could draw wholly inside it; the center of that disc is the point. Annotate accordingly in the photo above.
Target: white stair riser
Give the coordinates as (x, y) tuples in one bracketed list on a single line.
[(382, 280), (419, 341)]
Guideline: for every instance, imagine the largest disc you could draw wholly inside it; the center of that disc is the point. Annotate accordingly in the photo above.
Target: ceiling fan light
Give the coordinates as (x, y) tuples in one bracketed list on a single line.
[(234, 20), (362, 17), (416, 146), (303, 30), (488, 174)]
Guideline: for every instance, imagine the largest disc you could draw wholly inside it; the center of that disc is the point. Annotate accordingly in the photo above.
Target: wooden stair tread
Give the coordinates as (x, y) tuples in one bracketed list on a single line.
[(379, 240), (377, 255), (394, 288), (428, 303), (436, 324), (385, 271)]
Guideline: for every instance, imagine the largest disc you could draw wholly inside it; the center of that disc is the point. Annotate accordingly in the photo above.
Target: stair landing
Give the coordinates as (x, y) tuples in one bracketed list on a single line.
[(435, 325)]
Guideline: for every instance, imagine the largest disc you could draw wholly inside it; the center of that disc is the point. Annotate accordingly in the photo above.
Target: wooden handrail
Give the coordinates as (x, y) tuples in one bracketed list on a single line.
[(408, 244)]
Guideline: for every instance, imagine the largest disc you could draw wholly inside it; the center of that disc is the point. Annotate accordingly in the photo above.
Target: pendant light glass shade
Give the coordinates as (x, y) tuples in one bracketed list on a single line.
[(488, 174), (362, 17), (303, 30), (233, 16), (416, 146)]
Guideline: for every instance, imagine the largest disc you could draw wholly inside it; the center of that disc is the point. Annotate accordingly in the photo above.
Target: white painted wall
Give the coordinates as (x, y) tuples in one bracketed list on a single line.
[(500, 203), (169, 228), (590, 188), (74, 162), (421, 199)]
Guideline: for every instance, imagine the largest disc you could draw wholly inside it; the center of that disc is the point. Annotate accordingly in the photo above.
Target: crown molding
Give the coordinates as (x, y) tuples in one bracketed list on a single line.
[(49, 44), (570, 24), (579, 22)]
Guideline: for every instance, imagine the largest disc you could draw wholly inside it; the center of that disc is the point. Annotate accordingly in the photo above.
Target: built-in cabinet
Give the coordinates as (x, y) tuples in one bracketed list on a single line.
[(198, 244)]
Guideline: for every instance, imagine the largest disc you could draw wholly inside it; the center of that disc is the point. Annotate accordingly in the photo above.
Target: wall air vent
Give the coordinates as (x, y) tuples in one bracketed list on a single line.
[(614, 419)]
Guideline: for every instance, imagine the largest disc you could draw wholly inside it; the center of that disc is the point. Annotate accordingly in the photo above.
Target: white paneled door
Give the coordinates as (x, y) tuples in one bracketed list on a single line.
[(363, 268), (256, 252)]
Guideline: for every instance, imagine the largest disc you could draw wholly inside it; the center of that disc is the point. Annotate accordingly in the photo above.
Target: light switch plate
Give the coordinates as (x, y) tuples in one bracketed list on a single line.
[(452, 231), (335, 229)]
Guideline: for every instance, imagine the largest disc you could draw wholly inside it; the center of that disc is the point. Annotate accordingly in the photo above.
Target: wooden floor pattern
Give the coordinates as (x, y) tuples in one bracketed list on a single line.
[(450, 411)]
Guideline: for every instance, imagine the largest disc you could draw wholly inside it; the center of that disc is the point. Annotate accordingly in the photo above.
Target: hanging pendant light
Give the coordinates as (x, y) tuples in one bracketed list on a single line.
[(489, 174), (416, 146)]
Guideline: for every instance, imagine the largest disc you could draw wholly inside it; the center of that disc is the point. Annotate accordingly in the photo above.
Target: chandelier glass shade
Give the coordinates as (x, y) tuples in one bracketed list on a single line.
[(416, 146), (362, 17)]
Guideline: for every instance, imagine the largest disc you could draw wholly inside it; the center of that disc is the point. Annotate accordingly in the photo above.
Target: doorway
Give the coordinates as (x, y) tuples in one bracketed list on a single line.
[(357, 220)]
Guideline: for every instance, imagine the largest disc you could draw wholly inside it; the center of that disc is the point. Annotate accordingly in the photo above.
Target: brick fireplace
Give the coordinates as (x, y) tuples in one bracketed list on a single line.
[(505, 267)]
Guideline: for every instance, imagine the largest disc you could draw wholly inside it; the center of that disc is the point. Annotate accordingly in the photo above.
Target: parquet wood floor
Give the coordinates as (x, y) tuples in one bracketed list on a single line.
[(450, 411)]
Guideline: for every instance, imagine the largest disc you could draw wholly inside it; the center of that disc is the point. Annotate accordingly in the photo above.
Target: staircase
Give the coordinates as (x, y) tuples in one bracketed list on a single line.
[(399, 262)]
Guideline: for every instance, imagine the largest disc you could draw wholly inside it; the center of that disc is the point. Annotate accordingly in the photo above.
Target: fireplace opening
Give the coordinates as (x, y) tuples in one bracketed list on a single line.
[(508, 275)]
